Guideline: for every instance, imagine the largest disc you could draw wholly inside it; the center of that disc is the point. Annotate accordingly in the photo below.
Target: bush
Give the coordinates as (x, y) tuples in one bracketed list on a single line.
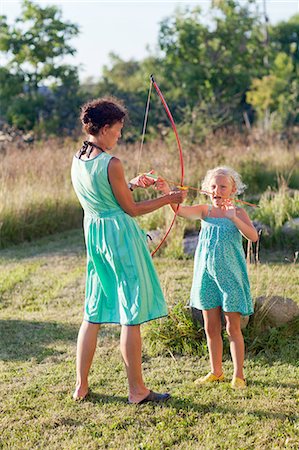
[(276, 208), (175, 334)]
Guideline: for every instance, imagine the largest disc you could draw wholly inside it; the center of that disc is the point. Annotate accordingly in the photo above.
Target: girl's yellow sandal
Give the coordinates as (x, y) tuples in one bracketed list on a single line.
[(209, 378), (238, 383)]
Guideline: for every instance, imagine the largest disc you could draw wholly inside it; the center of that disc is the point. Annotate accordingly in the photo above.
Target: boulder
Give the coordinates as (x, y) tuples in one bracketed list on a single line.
[(276, 310), (154, 237), (291, 226), (261, 227), (190, 243)]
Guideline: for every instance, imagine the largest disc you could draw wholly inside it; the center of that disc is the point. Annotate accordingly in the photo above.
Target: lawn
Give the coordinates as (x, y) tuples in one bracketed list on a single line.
[(41, 302)]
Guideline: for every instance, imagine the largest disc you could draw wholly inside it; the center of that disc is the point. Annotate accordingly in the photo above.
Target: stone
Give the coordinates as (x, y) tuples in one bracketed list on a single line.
[(276, 310), (190, 243), (154, 236), (291, 226), (261, 227)]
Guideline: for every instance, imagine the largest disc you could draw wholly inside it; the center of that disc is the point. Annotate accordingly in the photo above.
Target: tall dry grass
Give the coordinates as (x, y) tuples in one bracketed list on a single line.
[(36, 196)]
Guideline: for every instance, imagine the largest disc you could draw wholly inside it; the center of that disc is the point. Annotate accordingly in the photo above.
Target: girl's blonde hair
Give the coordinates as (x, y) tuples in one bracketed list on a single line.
[(228, 172)]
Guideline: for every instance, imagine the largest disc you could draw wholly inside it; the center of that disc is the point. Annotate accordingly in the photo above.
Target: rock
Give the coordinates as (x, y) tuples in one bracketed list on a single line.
[(197, 318), (190, 243), (291, 226), (154, 237), (276, 310), (259, 226)]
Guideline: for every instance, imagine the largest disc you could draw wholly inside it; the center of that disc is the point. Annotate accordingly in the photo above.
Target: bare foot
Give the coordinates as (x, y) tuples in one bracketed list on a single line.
[(80, 393), (138, 397)]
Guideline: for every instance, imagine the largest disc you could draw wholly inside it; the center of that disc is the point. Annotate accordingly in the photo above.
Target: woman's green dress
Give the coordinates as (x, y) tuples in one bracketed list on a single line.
[(121, 282)]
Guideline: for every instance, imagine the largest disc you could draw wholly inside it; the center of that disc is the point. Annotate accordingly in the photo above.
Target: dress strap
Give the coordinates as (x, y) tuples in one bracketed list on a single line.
[(85, 146)]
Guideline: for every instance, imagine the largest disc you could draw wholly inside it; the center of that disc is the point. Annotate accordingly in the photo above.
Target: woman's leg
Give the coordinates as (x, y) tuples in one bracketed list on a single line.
[(212, 321), (233, 328), (130, 346), (86, 345)]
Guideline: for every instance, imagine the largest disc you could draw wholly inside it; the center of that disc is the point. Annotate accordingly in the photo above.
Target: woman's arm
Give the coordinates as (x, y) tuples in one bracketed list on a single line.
[(124, 196)]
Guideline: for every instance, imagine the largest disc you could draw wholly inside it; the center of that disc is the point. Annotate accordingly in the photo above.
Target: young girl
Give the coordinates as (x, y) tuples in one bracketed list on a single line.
[(220, 280)]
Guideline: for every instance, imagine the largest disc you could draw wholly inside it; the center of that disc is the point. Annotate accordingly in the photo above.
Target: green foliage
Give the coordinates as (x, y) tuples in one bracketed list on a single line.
[(276, 96), (272, 343), (284, 37), (23, 111), (276, 208), (176, 334), (257, 175), (11, 85), (45, 97), (208, 69), (214, 74)]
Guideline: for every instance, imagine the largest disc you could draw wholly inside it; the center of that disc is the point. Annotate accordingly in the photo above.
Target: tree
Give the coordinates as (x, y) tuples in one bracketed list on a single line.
[(275, 96), (208, 68), (35, 47)]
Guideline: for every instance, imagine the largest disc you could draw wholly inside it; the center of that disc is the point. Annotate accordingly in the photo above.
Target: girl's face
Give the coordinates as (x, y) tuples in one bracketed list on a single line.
[(221, 187), (111, 134)]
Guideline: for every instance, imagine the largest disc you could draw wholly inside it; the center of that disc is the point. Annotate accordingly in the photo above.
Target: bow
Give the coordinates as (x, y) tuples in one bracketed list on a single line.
[(153, 83)]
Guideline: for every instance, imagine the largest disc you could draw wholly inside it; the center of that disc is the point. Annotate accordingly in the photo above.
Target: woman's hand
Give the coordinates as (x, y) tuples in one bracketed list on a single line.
[(143, 180), (177, 196), (162, 185)]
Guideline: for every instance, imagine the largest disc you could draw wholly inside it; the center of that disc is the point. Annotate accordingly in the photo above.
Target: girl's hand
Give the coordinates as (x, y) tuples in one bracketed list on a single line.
[(162, 185), (229, 209), (143, 180)]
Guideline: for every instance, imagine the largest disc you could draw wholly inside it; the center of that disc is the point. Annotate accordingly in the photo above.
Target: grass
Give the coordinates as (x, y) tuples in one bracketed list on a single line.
[(37, 199), (41, 292)]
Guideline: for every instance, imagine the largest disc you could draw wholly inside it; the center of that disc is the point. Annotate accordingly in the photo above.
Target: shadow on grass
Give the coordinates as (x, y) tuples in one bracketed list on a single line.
[(212, 407), (187, 405), (21, 340), (94, 397), (68, 242)]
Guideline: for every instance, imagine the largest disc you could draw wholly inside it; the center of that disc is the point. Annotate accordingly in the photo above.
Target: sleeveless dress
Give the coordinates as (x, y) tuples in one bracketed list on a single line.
[(121, 282), (220, 275)]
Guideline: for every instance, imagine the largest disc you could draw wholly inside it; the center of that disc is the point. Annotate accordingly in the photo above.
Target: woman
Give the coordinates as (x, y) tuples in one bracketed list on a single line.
[(121, 282)]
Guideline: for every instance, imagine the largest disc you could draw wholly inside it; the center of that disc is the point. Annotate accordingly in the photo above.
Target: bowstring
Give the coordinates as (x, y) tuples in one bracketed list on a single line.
[(144, 126)]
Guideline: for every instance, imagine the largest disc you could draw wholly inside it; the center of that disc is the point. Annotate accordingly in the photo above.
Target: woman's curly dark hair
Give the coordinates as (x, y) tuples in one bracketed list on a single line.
[(100, 112)]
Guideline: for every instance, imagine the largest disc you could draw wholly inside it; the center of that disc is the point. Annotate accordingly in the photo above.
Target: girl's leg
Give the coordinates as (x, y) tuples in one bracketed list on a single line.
[(86, 345), (130, 346), (233, 328), (212, 321)]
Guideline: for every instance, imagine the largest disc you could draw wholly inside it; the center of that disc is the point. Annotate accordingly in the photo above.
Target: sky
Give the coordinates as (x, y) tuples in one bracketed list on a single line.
[(128, 28)]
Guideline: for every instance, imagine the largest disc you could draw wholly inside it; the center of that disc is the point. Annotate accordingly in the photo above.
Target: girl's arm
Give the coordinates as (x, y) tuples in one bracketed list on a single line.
[(188, 212), (244, 224), (124, 196), (194, 212)]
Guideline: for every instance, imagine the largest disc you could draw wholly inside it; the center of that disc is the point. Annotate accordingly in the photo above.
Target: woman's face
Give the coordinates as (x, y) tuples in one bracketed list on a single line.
[(111, 134), (221, 187)]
